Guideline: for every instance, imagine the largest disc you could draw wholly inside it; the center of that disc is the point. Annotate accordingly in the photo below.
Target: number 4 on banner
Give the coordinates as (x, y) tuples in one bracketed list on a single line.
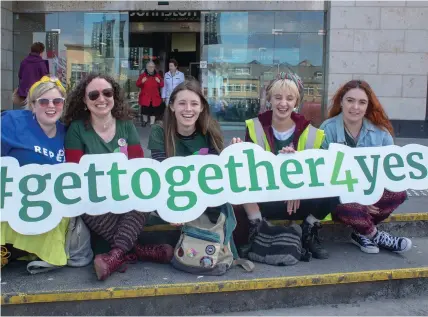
[(349, 181)]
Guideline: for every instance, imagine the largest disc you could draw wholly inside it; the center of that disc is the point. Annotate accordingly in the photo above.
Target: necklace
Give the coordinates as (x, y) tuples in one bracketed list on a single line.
[(108, 124), (104, 125), (351, 134), (108, 130)]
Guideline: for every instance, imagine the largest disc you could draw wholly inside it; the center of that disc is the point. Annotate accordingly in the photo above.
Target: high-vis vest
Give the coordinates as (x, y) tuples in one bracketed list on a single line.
[(311, 138)]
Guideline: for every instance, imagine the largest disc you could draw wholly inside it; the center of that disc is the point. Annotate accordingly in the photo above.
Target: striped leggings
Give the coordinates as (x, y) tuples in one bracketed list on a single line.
[(357, 216), (120, 230)]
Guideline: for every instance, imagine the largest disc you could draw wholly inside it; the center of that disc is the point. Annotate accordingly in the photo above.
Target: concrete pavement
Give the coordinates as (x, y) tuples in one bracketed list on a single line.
[(349, 276), (403, 307)]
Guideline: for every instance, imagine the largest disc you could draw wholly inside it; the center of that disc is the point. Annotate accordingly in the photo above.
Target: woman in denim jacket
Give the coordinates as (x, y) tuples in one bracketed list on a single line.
[(357, 119)]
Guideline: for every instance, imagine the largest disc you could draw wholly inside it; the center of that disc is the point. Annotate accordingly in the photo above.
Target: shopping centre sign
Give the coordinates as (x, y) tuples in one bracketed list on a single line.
[(34, 198), (164, 16)]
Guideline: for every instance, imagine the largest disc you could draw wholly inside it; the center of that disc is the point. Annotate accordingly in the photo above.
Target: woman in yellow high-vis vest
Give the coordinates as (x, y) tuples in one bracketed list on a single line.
[(282, 130)]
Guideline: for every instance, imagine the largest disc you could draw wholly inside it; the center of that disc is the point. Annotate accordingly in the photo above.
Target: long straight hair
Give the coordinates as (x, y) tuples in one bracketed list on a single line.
[(375, 112), (205, 123)]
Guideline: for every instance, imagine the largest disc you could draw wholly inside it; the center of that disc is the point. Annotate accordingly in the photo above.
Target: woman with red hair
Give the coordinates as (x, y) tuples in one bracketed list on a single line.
[(357, 119)]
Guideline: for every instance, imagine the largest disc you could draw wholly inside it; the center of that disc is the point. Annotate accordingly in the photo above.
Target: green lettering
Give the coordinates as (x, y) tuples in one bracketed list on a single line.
[(313, 171), (371, 177), (388, 167), (92, 184), (26, 204), (252, 167), (285, 172), (191, 196), (233, 177), (136, 184), (203, 179), (4, 180), (349, 181), (420, 167), (59, 188), (114, 179)]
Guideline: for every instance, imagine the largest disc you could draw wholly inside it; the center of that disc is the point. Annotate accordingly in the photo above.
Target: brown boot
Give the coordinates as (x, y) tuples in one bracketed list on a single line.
[(108, 263), (159, 253)]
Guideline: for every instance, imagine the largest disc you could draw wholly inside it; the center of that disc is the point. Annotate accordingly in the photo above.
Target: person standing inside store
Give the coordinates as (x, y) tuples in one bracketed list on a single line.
[(173, 78), (150, 83), (31, 70)]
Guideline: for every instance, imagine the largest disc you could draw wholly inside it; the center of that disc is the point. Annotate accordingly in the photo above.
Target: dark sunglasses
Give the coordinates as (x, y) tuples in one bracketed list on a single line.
[(44, 102), (95, 94)]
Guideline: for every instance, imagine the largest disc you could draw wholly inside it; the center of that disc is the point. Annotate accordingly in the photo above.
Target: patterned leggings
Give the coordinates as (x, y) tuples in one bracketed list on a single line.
[(357, 216), (120, 230)]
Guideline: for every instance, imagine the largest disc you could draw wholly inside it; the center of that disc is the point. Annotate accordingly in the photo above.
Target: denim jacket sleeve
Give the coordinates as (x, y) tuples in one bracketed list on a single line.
[(329, 129), (387, 139)]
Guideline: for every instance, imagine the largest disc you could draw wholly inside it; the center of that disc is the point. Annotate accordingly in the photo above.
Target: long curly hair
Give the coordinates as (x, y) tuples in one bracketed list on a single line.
[(205, 123), (375, 112), (75, 107)]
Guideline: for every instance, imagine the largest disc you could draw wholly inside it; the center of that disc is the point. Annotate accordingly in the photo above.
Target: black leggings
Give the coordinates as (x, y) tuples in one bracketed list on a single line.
[(319, 208)]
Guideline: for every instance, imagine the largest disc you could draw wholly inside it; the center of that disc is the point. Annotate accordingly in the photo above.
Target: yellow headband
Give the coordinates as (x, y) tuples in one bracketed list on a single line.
[(46, 79)]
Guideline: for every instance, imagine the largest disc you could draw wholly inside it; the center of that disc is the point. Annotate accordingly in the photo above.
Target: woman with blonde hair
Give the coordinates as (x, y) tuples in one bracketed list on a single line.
[(282, 130), (357, 119), (36, 136)]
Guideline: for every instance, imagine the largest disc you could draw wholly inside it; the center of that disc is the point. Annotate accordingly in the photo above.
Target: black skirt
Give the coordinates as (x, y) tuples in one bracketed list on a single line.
[(153, 111)]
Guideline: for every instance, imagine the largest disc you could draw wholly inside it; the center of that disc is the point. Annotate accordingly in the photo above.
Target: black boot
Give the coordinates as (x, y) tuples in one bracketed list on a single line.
[(254, 229), (311, 241), (252, 232)]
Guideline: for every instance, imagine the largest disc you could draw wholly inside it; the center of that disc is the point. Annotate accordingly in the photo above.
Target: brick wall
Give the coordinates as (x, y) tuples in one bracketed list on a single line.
[(6, 54), (386, 44)]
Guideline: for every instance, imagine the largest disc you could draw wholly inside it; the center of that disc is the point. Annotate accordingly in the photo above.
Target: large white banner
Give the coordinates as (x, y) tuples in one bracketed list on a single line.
[(34, 198)]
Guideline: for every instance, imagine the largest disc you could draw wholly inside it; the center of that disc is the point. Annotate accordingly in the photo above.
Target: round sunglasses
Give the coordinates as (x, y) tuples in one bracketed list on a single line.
[(95, 94), (44, 102)]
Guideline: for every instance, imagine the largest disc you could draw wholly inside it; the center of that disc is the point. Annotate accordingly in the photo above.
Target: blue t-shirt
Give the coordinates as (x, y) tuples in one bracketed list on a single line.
[(23, 138)]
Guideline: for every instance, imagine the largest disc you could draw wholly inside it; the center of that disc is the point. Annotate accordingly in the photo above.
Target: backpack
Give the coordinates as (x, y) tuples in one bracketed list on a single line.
[(206, 244), (77, 247), (277, 245)]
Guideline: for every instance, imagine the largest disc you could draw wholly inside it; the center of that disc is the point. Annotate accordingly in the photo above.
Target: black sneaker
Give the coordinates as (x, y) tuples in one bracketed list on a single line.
[(366, 245), (311, 241), (389, 242)]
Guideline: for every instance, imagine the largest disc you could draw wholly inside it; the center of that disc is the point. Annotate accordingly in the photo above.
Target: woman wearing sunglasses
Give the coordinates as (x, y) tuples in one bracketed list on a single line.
[(100, 122), (35, 136)]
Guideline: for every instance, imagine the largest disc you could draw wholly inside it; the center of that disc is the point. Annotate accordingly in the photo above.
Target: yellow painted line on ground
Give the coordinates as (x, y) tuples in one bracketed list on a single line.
[(217, 286), (392, 218)]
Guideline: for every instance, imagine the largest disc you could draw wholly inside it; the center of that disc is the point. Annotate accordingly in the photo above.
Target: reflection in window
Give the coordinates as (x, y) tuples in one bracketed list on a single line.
[(309, 91), (247, 50), (76, 43)]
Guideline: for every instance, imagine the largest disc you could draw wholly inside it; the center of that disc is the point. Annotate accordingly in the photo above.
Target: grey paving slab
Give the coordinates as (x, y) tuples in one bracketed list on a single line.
[(385, 307), (344, 258)]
